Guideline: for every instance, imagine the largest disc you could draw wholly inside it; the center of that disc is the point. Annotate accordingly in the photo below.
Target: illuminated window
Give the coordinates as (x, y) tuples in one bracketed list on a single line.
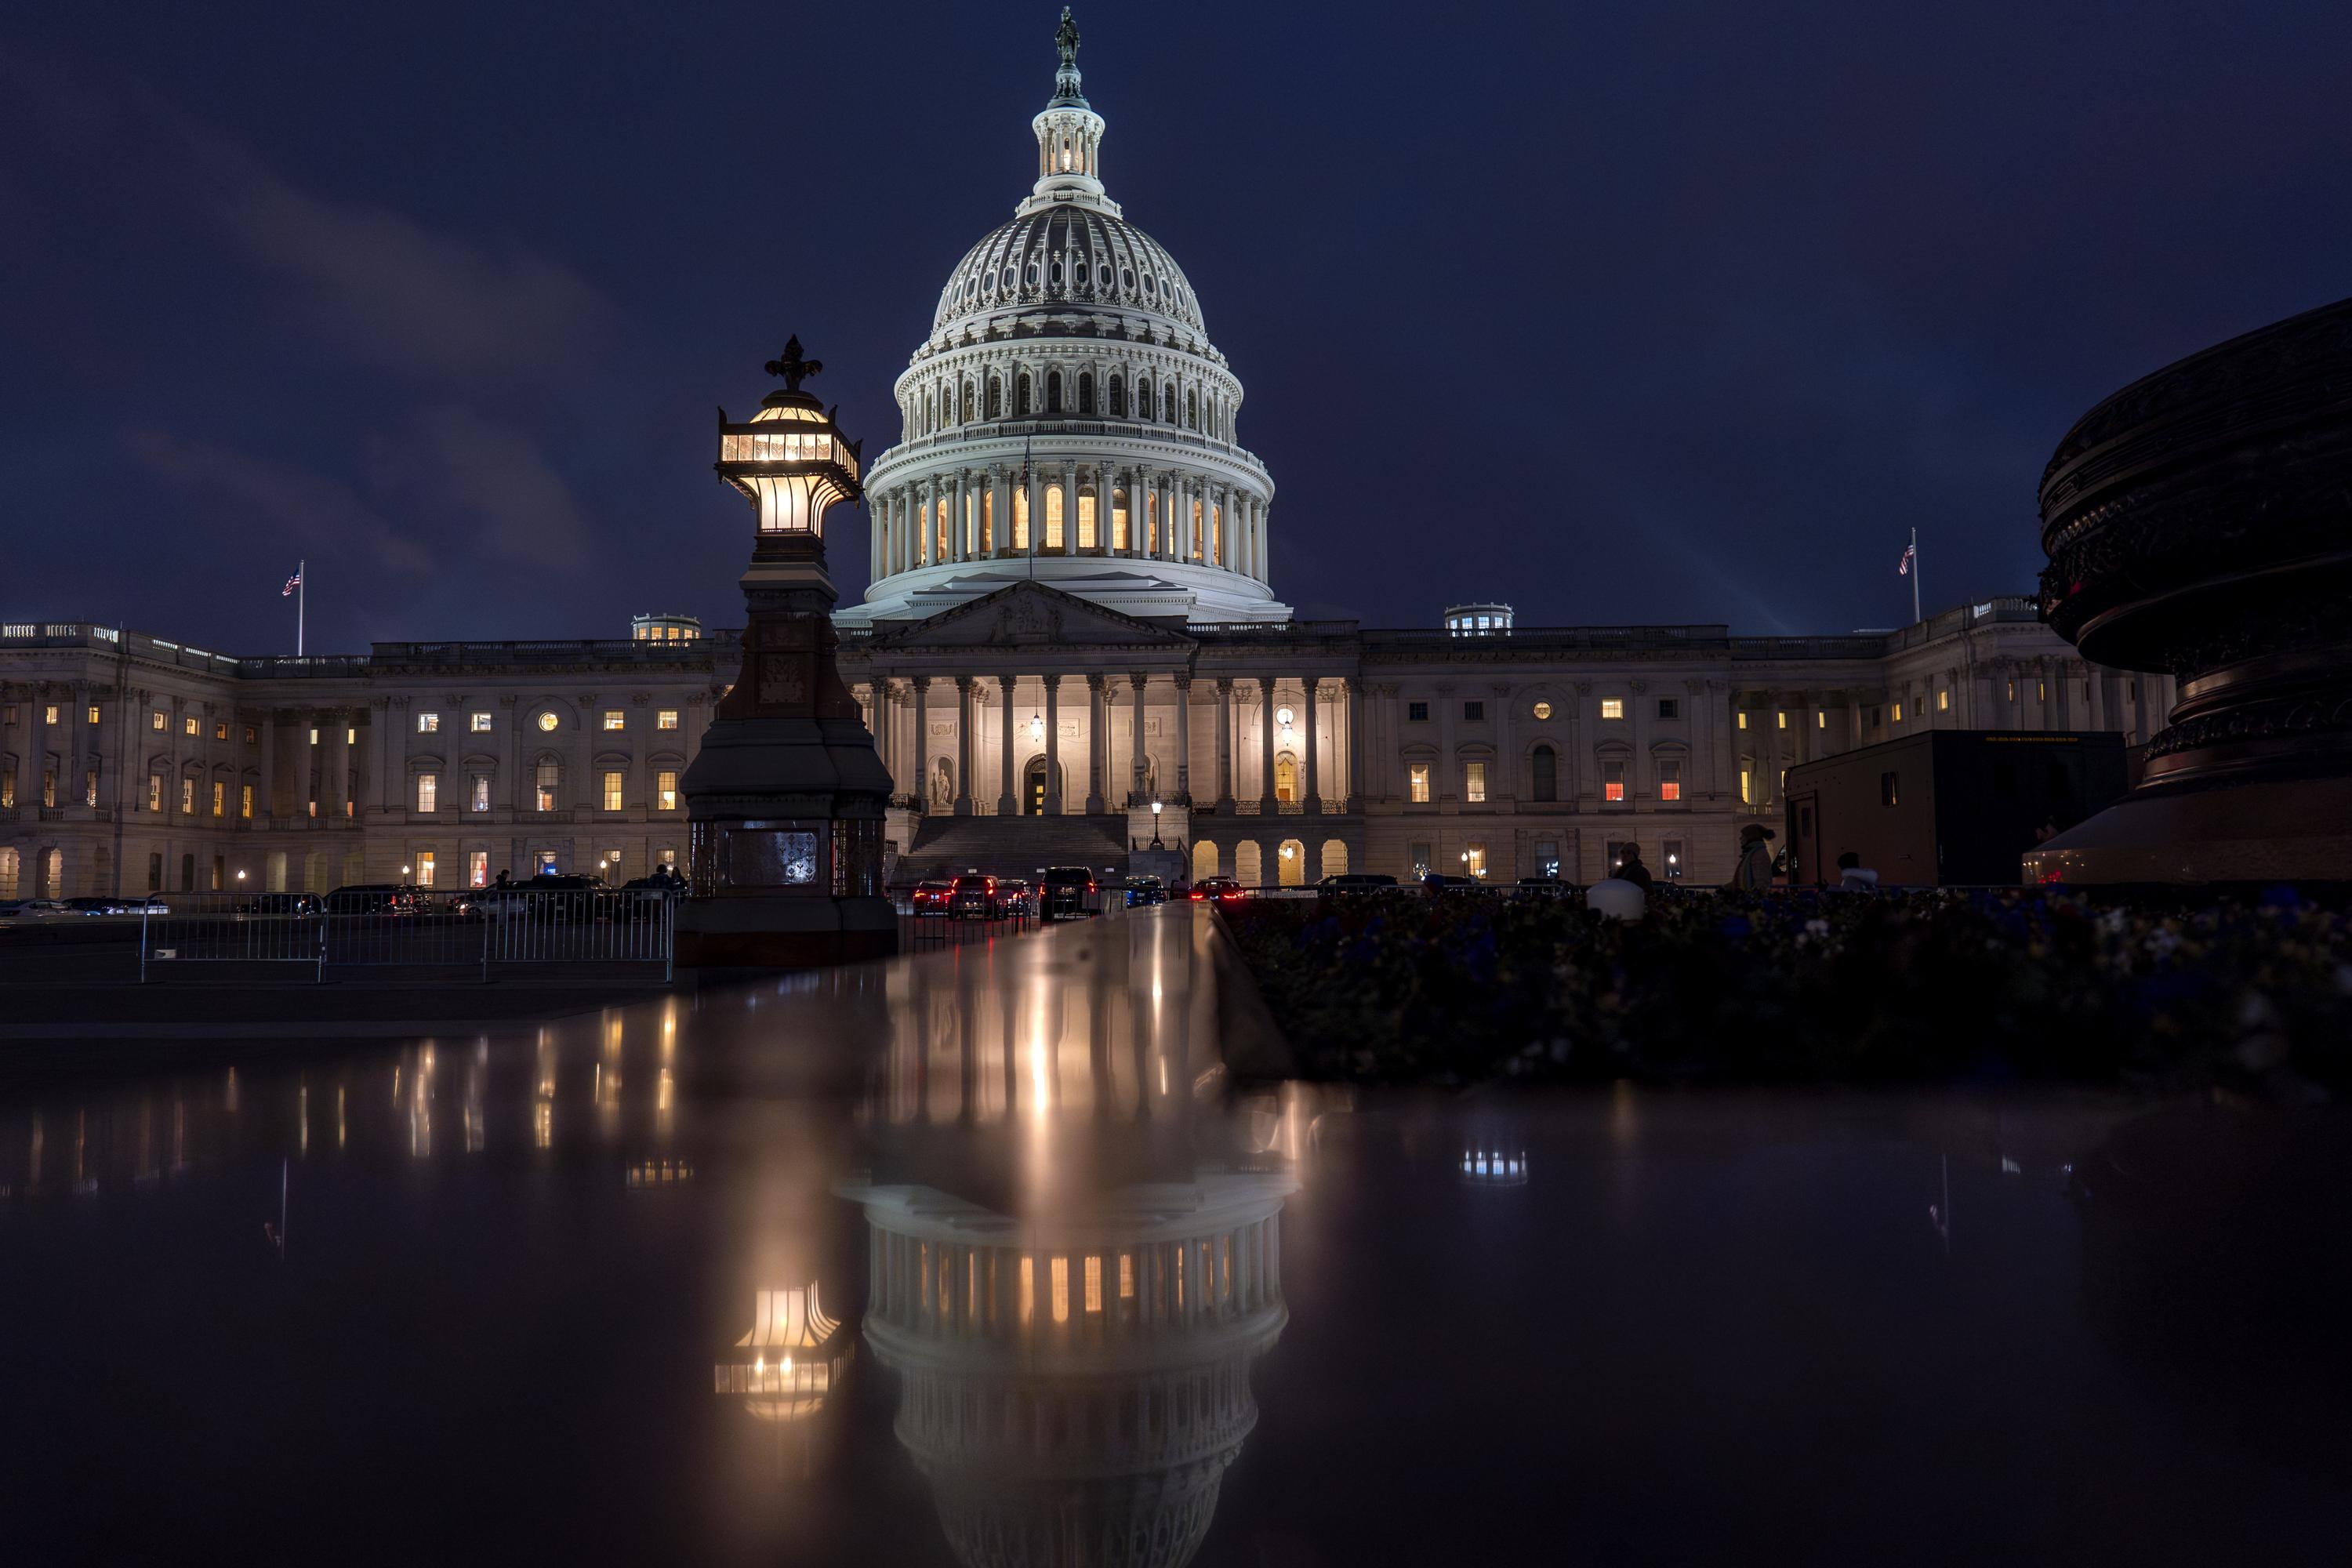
[(1094, 1283), (481, 801), (243, 799), (548, 721), (1742, 716), (2041, 692), (188, 725), (1612, 781), (155, 792), (1670, 780), (1943, 700), (1747, 787), (188, 797), (1418, 853), (252, 735), (49, 786), (1543, 710), (1118, 511), (1028, 1288), (89, 789), (314, 734), (1780, 718), (1888, 792), (1821, 720), (1613, 707), (1673, 848), (1126, 1276), (477, 868), (158, 717), (1418, 779), (2013, 691), (665, 789), (424, 868), (613, 719), (1474, 858), (1086, 523), (478, 722), (1474, 781), (612, 791), (351, 737), (1898, 713), (428, 792), (549, 778), (91, 715), (426, 723), (666, 718), (1053, 517)]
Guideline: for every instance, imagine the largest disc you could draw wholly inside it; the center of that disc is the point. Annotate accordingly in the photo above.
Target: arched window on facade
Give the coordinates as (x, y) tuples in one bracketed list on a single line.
[(1085, 392), (1285, 777), (1053, 517), (1547, 774), (1053, 392), (1021, 394), (995, 397), (1204, 860), (1117, 398)]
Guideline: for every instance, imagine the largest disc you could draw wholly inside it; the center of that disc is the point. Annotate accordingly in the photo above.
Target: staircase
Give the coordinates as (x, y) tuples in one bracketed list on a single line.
[(1012, 845)]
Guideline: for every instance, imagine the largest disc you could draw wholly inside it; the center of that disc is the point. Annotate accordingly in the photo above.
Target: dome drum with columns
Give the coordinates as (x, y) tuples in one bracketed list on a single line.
[(1068, 420)]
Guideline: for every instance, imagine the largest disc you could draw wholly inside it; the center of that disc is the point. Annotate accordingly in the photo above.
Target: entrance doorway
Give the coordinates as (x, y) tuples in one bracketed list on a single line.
[(1033, 788)]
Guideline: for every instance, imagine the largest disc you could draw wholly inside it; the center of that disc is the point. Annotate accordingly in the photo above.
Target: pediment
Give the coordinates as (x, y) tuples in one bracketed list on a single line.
[(1029, 614)]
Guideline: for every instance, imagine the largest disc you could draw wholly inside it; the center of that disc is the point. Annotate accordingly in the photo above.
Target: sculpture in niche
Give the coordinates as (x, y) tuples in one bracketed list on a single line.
[(943, 794)]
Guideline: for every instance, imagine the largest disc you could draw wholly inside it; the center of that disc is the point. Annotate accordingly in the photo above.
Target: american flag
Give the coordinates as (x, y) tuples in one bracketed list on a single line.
[(1903, 567), (292, 584)]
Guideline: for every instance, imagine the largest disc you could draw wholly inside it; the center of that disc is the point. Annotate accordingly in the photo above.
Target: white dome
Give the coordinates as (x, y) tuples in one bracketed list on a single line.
[(1062, 257)]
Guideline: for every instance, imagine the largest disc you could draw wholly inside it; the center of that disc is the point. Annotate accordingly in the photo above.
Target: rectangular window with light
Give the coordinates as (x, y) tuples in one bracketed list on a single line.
[(666, 790), (1898, 713), (481, 801), (158, 719), (1670, 780), (1613, 707), (245, 802), (1417, 781), (479, 722), (615, 720), (548, 777), (1742, 716), (477, 868), (1943, 701), (428, 792), (1747, 787), (155, 792), (188, 725), (427, 723), (188, 797), (1781, 718), (1612, 781), (1474, 781), (93, 713), (612, 791), (424, 868), (667, 720)]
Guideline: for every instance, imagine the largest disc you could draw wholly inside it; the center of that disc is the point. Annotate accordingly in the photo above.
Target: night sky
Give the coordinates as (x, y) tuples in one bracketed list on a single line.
[(1688, 314)]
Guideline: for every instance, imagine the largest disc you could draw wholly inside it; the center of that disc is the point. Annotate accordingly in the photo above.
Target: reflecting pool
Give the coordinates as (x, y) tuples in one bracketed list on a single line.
[(981, 1256)]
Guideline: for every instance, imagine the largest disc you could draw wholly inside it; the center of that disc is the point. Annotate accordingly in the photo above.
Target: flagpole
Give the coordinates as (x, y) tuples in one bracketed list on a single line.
[(1915, 576)]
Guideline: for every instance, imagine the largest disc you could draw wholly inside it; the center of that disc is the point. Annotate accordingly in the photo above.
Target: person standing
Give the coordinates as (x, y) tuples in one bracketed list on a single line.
[(1754, 872), (1631, 870)]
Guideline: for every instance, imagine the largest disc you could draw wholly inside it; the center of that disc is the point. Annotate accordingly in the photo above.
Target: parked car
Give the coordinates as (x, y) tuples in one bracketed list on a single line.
[(373, 898), (975, 896), (1143, 890), (1218, 890), (551, 895), (1016, 896), (1356, 884), (931, 898), (280, 904), (1068, 890), (35, 908)]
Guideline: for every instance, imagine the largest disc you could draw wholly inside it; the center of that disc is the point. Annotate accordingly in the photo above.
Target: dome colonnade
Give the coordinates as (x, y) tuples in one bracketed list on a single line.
[(1068, 411)]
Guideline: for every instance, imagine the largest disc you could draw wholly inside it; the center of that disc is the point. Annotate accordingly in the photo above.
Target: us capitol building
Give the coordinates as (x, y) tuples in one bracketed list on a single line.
[(1072, 620)]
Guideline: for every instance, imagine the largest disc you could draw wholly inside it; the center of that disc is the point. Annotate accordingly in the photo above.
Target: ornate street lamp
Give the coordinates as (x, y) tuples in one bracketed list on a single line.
[(785, 796)]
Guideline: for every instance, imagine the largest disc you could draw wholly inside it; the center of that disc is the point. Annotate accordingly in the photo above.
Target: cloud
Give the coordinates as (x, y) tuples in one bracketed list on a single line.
[(313, 512), (403, 296), (491, 478)]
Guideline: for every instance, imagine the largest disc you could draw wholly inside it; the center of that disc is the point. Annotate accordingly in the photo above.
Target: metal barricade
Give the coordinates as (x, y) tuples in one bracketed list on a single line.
[(482, 930)]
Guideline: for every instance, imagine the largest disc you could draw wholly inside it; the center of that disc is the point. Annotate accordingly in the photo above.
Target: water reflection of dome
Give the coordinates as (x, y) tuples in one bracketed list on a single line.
[(790, 1361), (1494, 1167), (1074, 1384)]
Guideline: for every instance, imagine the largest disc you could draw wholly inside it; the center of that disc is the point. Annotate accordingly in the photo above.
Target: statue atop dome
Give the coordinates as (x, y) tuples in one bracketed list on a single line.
[(1065, 39), (1065, 80)]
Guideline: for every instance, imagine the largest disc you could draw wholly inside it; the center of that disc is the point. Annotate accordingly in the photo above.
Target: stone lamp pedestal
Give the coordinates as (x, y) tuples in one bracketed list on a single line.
[(2200, 523)]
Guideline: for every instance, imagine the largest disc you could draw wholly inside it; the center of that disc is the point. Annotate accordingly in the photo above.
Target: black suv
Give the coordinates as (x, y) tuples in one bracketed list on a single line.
[(1067, 891)]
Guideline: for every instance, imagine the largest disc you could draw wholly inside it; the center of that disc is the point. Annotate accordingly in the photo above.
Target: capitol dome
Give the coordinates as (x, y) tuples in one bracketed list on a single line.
[(1067, 420)]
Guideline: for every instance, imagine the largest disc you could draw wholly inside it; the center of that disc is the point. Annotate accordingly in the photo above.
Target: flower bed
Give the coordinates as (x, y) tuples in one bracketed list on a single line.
[(1928, 983)]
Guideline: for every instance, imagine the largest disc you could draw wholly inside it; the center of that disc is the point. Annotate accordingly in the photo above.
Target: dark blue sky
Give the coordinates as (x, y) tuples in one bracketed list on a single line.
[(1682, 315)]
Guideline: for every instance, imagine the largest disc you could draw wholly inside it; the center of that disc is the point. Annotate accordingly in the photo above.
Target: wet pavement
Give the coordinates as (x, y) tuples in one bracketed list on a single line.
[(981, 1256)]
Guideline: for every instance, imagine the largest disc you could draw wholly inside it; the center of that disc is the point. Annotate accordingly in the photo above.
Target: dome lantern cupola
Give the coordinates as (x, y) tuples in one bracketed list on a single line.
[(1069, 137)]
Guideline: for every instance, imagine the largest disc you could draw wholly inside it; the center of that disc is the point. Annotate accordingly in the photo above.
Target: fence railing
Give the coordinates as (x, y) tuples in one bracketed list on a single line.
[(483, 929)]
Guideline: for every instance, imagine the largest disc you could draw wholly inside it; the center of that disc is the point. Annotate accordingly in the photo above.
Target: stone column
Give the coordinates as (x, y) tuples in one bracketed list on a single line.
[(963, 746), (1095, 739), (1005, 805), (1184, 736), (1070, 487), (1054, 728), (1266, 802), (1314, 783), (1353, 799), (1036, 488), (1224, 745), (922, 745), (29, 774), (1138, 750), (71, 769), (265, 809)]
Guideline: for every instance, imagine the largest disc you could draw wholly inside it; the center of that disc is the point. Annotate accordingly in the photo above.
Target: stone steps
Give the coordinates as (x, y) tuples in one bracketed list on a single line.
[(1012, 845)]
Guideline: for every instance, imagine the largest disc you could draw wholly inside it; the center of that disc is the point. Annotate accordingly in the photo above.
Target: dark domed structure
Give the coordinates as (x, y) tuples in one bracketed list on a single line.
[(2198, 522)]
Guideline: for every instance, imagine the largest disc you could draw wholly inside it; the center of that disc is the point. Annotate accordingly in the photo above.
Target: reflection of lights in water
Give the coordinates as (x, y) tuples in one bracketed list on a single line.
[(542, 1122), (658, 1174), (230, 1097), (1495, 1167), (343, 1131), (797, 1354), (302, 1096)]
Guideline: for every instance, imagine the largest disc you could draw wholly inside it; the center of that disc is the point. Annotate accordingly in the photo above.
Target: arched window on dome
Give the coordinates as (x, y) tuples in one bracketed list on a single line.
[(1117, 398), (966, 403), (1547, 774), (995, 397), (930, 411), (1167, 404), (1053, 391), (1021, 394), (1118, 524), (1085, 391), (1192, 410), (1143, 400)]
